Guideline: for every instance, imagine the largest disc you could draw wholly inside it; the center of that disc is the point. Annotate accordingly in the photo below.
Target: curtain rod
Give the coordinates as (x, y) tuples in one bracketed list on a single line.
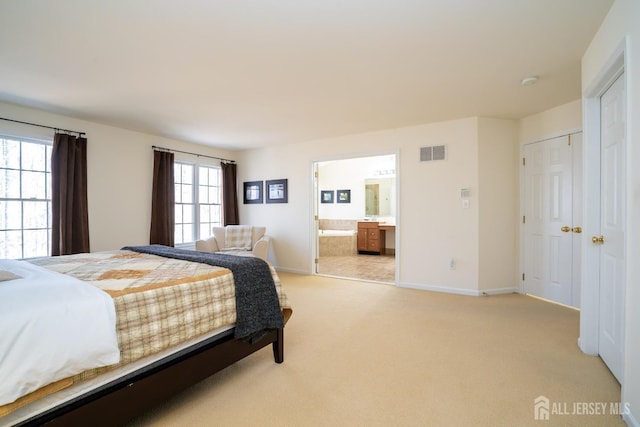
[(155, 147), (43, 126)]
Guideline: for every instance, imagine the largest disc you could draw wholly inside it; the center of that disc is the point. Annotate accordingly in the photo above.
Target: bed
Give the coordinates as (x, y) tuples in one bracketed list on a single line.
[(179, 316)]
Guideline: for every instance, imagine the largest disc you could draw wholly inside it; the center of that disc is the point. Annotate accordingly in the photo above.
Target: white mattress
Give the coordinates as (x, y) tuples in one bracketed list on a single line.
[(77, 390)]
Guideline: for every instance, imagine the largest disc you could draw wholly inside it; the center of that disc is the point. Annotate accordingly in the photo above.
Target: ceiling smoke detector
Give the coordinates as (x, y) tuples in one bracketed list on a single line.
[(528, 81)]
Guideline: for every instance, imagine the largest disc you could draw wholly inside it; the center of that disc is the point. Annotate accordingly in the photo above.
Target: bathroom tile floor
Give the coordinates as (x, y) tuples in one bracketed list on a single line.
[(379, 268)]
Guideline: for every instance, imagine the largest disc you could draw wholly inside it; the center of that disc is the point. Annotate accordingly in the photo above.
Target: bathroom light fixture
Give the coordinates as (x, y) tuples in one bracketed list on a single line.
[(528, 81)]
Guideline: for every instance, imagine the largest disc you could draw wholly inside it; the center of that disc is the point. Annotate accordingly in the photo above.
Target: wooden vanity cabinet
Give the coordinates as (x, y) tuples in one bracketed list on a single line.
[(371, 238)]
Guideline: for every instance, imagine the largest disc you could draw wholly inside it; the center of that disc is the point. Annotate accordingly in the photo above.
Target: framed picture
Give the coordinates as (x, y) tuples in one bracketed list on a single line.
[(344, 196), (326, 196), (252, 192), (276, 190)]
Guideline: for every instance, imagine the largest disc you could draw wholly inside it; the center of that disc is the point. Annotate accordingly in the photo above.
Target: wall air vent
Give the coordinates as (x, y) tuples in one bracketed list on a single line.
[(434, 152)]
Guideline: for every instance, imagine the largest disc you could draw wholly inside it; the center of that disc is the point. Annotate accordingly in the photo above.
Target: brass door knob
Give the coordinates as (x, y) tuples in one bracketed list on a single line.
[(598, 240), (577, 230), (565, 229)]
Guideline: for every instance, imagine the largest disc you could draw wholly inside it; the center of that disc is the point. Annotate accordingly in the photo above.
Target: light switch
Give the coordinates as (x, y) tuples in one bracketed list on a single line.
[(465, 203)]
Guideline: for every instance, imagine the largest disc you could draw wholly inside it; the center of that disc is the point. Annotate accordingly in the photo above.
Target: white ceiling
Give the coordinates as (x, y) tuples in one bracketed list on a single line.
[(248, 73)]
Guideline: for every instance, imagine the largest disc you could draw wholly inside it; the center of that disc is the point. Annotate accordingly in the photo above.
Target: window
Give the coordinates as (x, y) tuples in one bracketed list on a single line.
[(25, 198), (198, 201)]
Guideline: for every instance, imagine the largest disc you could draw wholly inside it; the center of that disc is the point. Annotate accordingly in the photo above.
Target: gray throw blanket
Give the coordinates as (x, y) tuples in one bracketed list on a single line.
[(257, 305)]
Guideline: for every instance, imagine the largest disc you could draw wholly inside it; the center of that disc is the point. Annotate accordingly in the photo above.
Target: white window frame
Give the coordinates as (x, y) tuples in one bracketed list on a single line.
[(196, 203), (5, 222)]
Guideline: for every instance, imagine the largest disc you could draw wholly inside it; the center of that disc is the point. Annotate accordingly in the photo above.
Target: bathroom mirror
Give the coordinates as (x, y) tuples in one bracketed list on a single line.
[(380, 197)]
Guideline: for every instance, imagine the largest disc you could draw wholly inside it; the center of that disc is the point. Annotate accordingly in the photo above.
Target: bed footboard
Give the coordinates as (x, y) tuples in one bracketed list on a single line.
[(129, 396)]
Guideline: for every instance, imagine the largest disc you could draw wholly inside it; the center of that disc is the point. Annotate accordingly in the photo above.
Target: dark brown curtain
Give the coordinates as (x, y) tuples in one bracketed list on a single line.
[(163, 200), (70, 215), (229, 194)]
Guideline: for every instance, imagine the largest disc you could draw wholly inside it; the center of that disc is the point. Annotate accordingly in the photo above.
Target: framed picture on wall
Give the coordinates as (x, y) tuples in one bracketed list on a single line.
[(344, 196), (326, 196), (252, 192), (276, 190)]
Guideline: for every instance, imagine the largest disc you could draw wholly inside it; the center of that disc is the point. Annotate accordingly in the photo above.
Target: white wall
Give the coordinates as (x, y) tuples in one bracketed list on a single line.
[(622, 27), (498, 160), (346, 174), (560, 120), (432, 226), (120, 171), (350, 174)]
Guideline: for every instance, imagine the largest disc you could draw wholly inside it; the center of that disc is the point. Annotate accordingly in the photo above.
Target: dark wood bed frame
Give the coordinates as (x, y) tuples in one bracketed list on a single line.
[(121, 400)]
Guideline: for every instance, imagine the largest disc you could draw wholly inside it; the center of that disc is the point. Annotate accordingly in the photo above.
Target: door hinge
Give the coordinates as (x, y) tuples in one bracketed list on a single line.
[(316, 260), (315, 217), (523, 277), (524, 219), (523, 161), (315, 174)]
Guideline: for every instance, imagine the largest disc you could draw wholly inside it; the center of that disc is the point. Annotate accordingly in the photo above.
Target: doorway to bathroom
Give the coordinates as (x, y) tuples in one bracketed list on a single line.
[(356, 218)]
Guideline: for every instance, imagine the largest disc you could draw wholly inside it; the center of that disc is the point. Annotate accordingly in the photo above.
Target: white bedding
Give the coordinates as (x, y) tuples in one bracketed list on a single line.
[(52, 326)]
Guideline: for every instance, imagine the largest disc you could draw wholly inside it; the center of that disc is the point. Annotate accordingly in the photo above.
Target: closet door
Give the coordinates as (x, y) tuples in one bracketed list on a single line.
[(611, 240), (548, 221)]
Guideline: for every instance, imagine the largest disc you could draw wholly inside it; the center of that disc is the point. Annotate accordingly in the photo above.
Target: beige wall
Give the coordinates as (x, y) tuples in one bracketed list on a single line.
[(120, 169), (353, 174), (622, 27), (498, 215), (432, 225), (560, 120)]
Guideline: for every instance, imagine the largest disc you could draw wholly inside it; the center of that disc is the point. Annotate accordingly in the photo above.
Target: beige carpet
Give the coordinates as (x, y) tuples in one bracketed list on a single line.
[(363, 354)]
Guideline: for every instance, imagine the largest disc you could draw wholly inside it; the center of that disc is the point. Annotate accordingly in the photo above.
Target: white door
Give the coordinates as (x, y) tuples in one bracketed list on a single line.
[(612, 227), (576, 229), (549, 227)]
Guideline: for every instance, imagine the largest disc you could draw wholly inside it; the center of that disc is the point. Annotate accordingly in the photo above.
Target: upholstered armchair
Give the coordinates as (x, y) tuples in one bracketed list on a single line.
[(237, 240)]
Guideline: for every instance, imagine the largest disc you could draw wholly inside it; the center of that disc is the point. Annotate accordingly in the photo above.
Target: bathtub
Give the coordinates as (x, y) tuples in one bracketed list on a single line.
[(338, 242), (329, 233)]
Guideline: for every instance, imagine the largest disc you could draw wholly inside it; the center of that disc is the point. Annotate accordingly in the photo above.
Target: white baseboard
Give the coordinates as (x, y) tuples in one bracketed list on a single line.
[(589, 350), (291, 270), (499, 291), (631, 420), (457, 291)]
